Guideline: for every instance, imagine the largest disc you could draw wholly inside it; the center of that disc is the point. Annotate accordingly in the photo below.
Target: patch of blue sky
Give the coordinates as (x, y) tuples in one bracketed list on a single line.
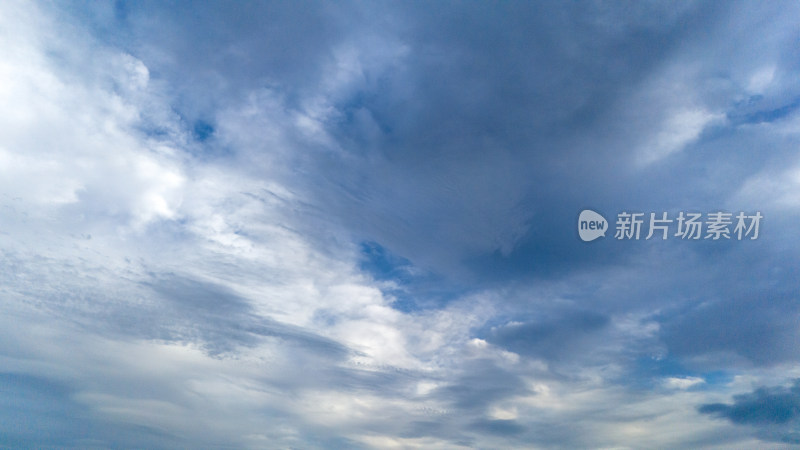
[(411, 287), (748, 116), (202, 130), (649, 371)]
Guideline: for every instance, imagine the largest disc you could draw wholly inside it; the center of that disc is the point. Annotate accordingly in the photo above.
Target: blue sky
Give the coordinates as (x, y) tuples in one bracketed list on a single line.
[(354, 225)]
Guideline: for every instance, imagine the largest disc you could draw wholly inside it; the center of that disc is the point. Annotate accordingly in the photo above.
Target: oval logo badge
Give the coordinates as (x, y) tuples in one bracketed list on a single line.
[(591, 225)]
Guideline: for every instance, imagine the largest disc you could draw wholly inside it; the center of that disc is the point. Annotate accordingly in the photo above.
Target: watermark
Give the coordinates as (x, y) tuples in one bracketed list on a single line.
[(591, 225), (686, 226)]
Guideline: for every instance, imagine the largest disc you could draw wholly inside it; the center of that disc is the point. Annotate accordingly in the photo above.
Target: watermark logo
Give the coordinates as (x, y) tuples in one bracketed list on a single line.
[(686, 226), (591, 225)]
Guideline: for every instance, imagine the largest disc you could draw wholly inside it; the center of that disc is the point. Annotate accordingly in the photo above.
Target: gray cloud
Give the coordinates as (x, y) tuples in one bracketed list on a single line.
[(551, 338), (773, 411)]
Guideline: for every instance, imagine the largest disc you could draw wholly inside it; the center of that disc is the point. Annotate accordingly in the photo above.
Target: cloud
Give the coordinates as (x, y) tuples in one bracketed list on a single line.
[(552, 338), (683, 383), (309, 226), (773, 187), (678, 130), (773, 411), (72, 140)]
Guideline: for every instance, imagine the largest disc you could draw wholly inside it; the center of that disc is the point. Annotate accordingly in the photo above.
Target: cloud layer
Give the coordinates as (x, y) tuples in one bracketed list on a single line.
[(304, 225)]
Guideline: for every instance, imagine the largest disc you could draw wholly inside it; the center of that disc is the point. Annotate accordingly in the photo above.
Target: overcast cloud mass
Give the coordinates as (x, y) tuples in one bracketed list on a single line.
[(353, 224)]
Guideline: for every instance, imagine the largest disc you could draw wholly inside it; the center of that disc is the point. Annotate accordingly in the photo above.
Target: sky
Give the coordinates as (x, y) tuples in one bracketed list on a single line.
[(355, 224)]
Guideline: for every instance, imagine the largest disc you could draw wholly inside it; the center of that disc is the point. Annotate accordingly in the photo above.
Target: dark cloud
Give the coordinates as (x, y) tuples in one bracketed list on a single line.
[(552, 338), (479, 384), (763, 406), (490, 130), (743, 304), (221, 319), (756, 328), (499, 427), (773, 411)]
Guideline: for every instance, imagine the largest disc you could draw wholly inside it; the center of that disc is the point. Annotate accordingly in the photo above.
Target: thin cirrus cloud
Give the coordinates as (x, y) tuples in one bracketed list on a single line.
[(306, 225)]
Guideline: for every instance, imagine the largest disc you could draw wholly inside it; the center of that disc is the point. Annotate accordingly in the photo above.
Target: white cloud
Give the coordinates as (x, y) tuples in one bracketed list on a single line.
[(774, 188), (682, 382), (761, 79), (69, 137), (679, 129), (76, 149)]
